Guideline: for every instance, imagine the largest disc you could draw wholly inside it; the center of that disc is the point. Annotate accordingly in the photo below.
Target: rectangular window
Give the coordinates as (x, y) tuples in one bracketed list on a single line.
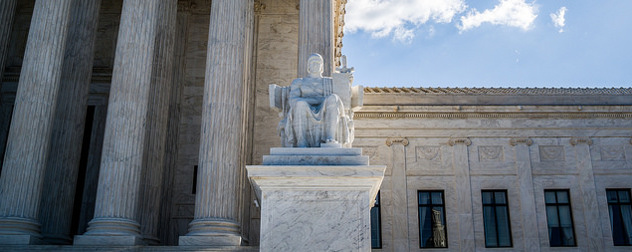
[(619, 206), (496, 219), (376, 224), (559, 218), (432, 228)]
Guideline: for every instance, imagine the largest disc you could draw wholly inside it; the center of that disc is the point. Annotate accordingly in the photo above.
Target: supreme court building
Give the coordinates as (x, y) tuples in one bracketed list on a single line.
[(128, 124)]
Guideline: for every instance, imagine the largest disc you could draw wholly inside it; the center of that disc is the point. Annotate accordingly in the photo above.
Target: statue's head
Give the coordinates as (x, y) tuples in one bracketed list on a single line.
[(315, 65)]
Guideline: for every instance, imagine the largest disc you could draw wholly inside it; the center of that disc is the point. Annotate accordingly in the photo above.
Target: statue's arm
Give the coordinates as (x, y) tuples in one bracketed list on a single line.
[(295, 91)]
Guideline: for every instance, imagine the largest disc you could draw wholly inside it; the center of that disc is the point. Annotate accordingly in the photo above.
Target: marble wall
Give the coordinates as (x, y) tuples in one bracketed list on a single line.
[(485, 147)]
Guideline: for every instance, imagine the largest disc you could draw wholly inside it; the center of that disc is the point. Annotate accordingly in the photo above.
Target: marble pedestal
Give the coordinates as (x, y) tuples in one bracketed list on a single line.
[(315, 199)]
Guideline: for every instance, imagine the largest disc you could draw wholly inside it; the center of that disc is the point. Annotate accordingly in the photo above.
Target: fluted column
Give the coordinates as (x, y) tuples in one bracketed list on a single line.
[(31, 127), (216, 219), (316, 34), (68, 125), (155, 140), (115, 218), (7, 12)]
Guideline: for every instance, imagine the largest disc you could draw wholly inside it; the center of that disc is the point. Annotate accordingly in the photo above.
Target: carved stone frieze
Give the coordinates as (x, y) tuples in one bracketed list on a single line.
[(461, 140), (520, 140), (490, 153), (551, 153), (612, 152), (580, 140), (392, 140), (429, 153)]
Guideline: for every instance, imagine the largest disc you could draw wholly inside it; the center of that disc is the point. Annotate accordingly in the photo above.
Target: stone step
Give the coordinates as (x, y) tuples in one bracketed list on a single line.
[(316, 151), (315, 160)]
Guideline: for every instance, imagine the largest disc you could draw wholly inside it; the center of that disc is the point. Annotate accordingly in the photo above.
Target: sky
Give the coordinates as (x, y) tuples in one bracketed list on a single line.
[(489, 43)]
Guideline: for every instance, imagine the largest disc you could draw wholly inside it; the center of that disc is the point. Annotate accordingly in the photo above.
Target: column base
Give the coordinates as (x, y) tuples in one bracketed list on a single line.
[(213, 231), (19, 231), (107, 240), (111, 231), (20, 240)]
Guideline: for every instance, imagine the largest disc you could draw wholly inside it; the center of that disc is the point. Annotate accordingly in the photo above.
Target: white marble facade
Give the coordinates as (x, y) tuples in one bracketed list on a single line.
[(463, 147)]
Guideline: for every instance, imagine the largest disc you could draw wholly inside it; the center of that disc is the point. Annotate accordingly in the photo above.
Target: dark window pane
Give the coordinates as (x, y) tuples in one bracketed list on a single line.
[(562, 197), (551, 216), (624, 196), (376, 225), (549, 197), (424, 198), (504, 236), (559, 218), (425, 226), (500, 197), (436, 198), (376, 241), (487, 198), (620, 216), (496, 219), (432, 229), (489, 217), (612, 196)]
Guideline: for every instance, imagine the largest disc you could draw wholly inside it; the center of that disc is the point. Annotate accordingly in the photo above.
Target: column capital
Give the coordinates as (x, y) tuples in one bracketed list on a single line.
[(580, 140), (520, 140), (392, 140), (460, 140)]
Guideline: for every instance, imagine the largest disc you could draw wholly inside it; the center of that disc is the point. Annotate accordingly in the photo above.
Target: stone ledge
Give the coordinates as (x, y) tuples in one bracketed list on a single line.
[(124, 248)]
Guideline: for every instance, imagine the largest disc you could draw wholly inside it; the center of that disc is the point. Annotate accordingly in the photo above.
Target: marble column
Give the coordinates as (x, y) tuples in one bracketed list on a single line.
[(29, 136), (156, 133), (216, 219), (527, 195), (594, 234), (399, 195), (118, 195), (62, 166), (7, 12), (461, 166), (316, 34)]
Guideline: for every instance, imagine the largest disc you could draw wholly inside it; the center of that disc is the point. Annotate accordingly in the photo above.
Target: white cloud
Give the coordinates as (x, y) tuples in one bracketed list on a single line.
[(398, 18), (558, 18), (516, 13)]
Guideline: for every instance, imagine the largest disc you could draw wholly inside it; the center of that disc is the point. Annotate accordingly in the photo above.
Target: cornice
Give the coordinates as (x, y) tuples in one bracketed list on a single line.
[(496, 91), (463, 115)]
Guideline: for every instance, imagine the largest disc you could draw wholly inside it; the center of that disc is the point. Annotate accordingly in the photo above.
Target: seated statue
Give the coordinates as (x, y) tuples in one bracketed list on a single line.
[(316, 110)]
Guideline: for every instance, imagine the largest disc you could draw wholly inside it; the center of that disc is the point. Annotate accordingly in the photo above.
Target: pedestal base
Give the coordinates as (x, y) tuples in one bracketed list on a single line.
[(210, 240), (108, 240), (315, 207)]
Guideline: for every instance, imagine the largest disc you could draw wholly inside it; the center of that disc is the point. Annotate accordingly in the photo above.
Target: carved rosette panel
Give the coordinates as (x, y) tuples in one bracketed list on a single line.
[(612, 152), (551, 153), (490, 153), (428, 153)]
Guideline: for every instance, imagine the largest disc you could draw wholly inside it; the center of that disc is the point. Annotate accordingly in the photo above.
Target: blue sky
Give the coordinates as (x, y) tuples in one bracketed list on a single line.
[(489, 43)]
